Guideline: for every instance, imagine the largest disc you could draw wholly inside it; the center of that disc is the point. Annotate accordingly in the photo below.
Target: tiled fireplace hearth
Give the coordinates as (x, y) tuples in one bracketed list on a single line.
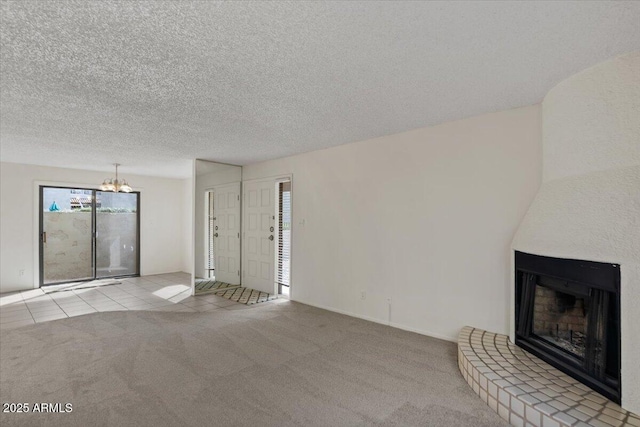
[(526, 391)]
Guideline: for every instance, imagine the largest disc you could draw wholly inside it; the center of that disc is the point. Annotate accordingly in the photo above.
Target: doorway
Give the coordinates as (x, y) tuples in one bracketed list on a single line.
[(226, 233), (266, 259), (87, 234), (284, 238), (209, 262), (258, 235)]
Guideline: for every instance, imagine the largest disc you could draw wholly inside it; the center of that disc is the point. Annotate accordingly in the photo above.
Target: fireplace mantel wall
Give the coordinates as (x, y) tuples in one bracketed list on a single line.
[(588, 206)]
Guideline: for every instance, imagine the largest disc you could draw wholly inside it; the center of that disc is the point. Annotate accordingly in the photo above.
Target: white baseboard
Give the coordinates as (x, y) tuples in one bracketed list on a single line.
[(381, 322)]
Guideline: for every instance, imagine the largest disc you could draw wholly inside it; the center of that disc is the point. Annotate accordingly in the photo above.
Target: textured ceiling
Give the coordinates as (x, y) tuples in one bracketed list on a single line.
[(154, 84)]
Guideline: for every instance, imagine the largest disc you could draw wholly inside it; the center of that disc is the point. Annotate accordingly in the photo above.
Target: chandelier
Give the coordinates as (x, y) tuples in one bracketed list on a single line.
[(115, 185)]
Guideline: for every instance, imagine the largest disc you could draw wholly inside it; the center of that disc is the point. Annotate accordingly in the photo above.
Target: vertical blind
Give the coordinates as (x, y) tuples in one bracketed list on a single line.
[(284, 232), (210, 265)]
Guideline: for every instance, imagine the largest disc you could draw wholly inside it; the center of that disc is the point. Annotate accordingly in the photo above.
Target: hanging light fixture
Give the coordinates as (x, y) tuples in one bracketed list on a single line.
[(115, 185)]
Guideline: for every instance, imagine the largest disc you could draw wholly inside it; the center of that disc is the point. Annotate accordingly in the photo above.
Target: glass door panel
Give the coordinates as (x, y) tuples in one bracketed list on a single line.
[(116, 234), (66, 235)]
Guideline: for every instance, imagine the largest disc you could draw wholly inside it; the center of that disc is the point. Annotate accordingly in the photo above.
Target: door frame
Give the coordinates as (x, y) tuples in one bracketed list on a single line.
[(208, 194), (39, 282), (290, 181), (276, 180)]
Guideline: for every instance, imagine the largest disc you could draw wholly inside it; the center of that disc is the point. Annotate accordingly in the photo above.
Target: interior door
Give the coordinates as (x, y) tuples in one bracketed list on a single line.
[(259, 237), (226, 237)]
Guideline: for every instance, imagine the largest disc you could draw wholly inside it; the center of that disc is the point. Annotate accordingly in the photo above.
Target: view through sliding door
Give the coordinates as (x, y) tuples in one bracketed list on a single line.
[(116, 221), (66, 235), (87, 234)]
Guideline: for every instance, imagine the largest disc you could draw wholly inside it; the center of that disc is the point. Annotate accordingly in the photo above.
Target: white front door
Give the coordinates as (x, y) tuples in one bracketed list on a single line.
[(259, 235), (226, 237)]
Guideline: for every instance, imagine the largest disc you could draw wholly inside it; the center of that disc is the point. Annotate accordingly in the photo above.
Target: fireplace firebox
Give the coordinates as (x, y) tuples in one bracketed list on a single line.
[(568, 314)]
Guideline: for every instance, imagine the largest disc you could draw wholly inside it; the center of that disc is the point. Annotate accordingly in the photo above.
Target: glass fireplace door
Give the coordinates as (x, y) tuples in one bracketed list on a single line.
[(561, 319), (568, 314)]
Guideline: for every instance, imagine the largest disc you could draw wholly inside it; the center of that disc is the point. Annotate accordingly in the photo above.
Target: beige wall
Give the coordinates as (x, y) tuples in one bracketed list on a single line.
[(188, 190), (161, 228), (421, 222)]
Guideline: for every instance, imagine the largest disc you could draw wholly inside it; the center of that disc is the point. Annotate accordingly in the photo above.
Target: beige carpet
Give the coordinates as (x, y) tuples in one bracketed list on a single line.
[(272, 364)]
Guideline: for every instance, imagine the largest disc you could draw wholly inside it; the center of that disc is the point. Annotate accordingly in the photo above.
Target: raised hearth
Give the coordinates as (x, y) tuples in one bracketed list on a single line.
[(526, 391)]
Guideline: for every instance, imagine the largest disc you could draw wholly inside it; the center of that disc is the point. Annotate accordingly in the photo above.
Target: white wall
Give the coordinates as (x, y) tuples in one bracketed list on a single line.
[(187, 225), (589, 204), (423, 219), (592, 120), (161, 225), (207, 176)]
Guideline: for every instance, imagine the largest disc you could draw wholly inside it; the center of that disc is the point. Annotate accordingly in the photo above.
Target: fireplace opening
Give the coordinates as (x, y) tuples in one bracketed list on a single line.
[(560, 319), (568, 314)]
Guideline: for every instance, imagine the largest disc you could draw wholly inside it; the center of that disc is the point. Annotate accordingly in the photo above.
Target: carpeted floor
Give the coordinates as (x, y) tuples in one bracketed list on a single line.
[(273, 364)]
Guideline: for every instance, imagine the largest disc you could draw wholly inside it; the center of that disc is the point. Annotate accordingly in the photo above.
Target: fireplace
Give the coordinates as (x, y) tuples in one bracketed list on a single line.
[(568, 314)]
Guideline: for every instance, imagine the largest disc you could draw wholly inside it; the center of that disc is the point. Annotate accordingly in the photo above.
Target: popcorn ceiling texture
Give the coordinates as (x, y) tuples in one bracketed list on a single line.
[(153, 84), (589, 204)]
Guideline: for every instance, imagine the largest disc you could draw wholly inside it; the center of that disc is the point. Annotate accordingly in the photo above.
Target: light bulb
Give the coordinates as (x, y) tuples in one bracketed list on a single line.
[(125, 187)]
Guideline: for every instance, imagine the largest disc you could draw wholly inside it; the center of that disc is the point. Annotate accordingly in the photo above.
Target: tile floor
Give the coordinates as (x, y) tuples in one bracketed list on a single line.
[(163, 292), (526, 391)]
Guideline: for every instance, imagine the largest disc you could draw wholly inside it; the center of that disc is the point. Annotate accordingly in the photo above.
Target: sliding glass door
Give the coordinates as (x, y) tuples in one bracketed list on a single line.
[(116, 234), (87, 234), (66, 235)]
